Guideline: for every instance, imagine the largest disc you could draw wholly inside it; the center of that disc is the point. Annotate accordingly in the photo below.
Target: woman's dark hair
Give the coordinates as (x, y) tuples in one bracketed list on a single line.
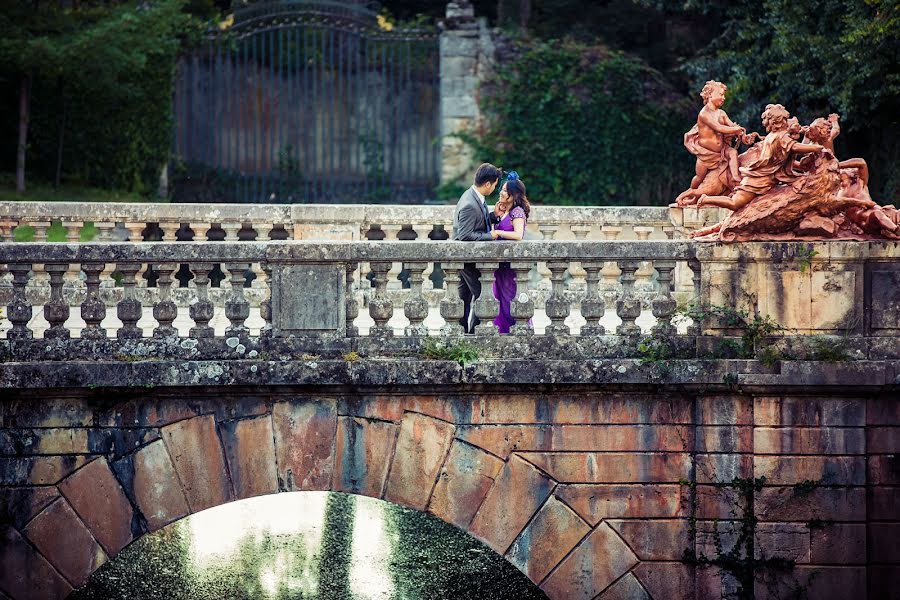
[(516, 191)]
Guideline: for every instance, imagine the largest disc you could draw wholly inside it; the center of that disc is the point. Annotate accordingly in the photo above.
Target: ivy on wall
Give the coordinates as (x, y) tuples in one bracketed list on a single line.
[(585, 125)]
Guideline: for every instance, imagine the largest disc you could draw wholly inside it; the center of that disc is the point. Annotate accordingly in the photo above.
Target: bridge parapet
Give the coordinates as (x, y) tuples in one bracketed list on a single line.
[(232, 222), (605, 299)]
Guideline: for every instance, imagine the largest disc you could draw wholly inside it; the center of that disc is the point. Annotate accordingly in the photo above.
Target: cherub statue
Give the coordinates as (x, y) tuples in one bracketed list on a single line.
[(774, 163), (710, 141)]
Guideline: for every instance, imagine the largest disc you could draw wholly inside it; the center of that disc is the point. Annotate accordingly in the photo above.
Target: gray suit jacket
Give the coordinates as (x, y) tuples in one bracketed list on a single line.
[(469, 224)]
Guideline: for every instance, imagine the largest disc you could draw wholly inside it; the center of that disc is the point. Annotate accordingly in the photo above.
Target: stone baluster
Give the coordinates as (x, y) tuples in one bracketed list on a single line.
[(391, 232), (416, 306), (201, 310), (351, 304), (291, 232), (40, 230), (237, 308), (663, 305), (381, 307), (265, 307), (129, 308), (644, 274), (522, 309), (422, 233), (557, 306), (593, 306), (486, 306), (580, 231), (200, 230), (93, 309), (73, 230), (164, 310), (7, 226), (104, 230), (231, 230), (169, 230), (19, 309), (628, 306), (263, 231), (610, 272), (56, 310), (548, 232), (135, 231), (452, 308), (575, 268), (696, 302)]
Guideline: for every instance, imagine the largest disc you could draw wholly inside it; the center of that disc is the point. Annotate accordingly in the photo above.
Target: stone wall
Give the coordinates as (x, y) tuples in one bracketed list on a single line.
[(623, 490)]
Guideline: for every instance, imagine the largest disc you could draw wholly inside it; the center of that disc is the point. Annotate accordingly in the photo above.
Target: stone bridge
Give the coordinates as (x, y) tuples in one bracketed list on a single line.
[(713, 457)]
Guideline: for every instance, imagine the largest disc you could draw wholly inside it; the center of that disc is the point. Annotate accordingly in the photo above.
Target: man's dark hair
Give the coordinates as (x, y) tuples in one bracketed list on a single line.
[(486, 173)]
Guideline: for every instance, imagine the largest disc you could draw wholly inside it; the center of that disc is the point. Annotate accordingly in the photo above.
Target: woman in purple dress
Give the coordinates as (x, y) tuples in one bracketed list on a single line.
[(513, 209)]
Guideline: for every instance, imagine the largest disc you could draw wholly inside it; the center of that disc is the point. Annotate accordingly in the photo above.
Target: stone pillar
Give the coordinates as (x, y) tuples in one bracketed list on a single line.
[(460, 50)]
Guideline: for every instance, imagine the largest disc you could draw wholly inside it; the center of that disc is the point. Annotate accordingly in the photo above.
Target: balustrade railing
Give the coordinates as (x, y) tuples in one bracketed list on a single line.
[(339, 291)]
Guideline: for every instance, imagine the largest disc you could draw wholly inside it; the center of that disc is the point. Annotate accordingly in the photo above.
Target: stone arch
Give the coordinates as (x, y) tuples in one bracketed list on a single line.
[(409, 450)]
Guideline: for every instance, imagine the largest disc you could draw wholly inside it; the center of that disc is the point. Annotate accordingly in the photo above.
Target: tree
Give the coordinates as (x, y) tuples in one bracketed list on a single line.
[(94, 46)]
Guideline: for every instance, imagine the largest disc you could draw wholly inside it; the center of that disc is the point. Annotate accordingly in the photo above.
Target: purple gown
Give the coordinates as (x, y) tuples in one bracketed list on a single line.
[(505, 277)]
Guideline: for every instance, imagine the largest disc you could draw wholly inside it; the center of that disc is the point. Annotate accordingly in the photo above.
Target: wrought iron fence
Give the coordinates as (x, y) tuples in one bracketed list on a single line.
[(308, 102)]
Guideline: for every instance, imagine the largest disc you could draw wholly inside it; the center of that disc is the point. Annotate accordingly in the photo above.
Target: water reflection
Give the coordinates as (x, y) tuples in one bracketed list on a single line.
[(311, 546)]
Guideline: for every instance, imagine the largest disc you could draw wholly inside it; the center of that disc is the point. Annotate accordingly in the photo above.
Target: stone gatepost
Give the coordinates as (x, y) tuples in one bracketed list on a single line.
[(465, 49)]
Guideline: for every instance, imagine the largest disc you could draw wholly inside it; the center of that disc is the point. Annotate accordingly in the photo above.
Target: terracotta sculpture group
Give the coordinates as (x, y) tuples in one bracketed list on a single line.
[(785, 185)]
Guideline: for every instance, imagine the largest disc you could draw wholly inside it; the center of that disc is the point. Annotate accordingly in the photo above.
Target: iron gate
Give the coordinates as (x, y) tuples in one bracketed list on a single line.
[(308, 102)]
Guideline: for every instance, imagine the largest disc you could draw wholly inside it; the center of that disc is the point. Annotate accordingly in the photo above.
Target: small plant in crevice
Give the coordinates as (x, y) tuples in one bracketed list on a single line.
[(754, 328), (769, 356), (804, 257), (461, 352), (828, 349)]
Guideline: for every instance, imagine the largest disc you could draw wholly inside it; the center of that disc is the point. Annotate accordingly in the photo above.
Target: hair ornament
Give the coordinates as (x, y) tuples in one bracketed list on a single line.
[(512, 176)]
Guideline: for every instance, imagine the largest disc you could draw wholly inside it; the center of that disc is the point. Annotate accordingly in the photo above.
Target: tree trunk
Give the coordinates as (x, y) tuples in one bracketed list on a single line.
[(524, 13), (59, 145), (24, 106)]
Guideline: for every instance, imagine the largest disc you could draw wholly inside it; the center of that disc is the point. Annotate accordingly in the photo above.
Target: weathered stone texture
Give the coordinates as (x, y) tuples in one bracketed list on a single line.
[(196, 453), (670, 580), (597, 502), (728, 439), (464, 482), (95, 494), (364, 450), (838, 544), (789, 541), (422, 446), (547, 539), (594, 564), (518, 491), (613, 467), (884, 543), (64, 540), (819, 440), (825, 470), (723, 468), (809, 412), (818, 503), (250, 452), (38, 470), (25, 573), (157, 490), (18, 505), (819, 582), (657, 539), (305, 443), (626, 588)]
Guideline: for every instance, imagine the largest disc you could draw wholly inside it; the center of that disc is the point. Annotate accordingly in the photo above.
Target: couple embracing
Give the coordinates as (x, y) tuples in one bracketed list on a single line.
[(473, 222)]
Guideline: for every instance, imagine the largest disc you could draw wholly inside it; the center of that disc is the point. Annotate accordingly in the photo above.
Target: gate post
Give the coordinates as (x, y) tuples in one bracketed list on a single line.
[(460, 53)]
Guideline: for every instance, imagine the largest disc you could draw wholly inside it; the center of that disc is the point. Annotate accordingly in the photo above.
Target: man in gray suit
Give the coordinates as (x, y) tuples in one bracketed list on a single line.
[(472, 223)]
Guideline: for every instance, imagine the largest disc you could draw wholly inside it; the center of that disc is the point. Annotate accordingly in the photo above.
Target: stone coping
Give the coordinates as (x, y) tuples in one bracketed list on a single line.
[(719, 374), (330, 251), (319, 213)]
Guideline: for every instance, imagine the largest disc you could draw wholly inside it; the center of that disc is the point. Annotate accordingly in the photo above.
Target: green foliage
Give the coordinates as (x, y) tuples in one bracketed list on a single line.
[(462, 352), (814, 58), (830, 349), (805, 256), (585, 125), (754, 329), (101, 77)]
